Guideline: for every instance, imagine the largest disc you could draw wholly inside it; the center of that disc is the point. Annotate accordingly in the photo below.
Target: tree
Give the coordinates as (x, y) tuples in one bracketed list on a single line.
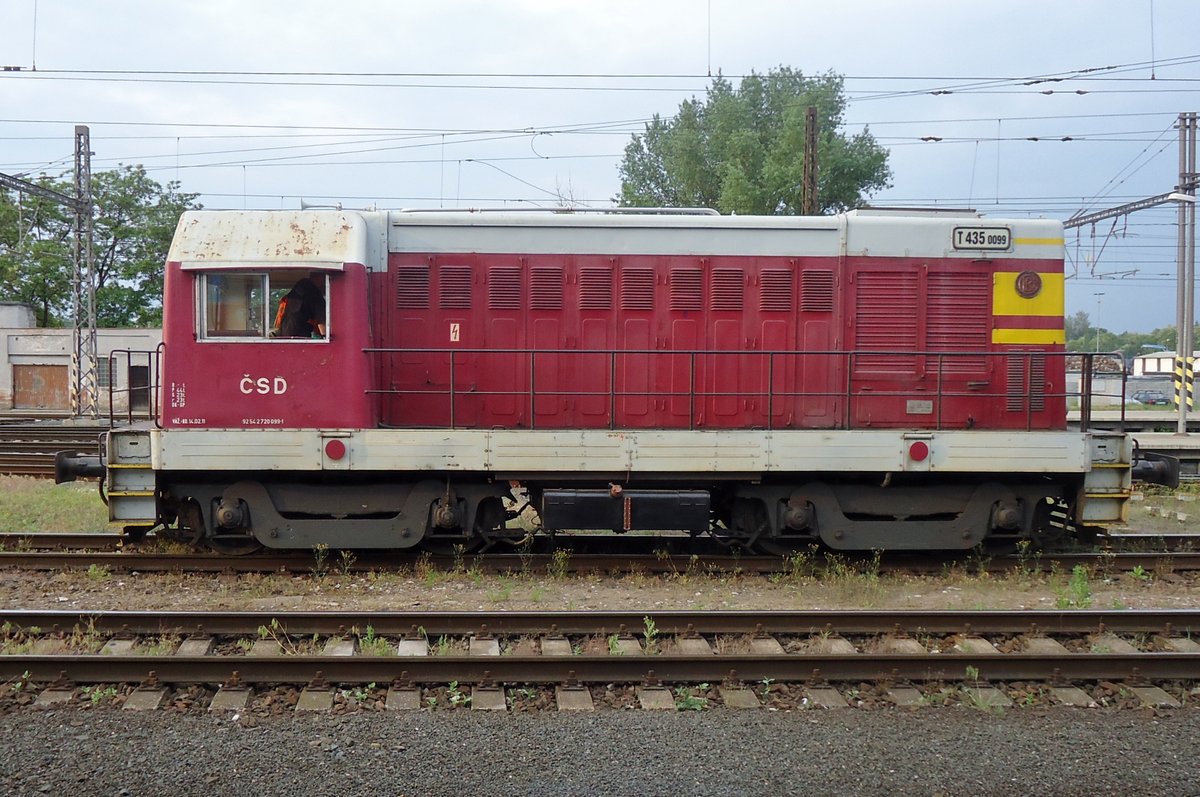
[(1077, 327), (35, 254), (742, 150), (135, 219)]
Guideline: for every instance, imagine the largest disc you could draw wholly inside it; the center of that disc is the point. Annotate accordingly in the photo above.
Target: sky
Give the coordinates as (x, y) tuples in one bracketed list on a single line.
[(1015, 108)]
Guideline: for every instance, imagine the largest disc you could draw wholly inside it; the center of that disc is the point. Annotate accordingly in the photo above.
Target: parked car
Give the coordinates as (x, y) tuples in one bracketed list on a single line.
[(1151, 397)]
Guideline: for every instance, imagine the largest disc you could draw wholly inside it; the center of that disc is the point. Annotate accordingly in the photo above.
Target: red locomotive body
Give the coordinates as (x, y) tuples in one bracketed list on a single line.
[(870, 380), (571, 340)]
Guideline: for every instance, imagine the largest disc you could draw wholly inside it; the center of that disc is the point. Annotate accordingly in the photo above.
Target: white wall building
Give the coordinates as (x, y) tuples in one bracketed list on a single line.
[(1156, 363), (35, 366)]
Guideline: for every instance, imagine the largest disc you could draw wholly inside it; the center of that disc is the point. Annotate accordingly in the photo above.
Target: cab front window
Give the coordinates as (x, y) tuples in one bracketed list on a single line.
[(282, 305)]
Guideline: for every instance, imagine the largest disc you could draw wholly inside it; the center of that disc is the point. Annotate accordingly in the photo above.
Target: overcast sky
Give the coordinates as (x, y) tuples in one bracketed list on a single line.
[(528, 102)]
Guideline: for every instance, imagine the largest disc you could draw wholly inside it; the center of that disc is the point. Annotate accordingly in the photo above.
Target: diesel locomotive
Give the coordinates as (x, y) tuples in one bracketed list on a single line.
[(867, 381)]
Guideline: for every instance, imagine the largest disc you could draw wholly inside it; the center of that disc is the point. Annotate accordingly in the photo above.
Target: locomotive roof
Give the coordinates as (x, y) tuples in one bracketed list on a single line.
[(327, 238)]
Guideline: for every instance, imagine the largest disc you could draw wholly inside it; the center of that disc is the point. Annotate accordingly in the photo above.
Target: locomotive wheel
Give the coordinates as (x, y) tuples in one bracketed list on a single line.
[(748, 520), (189, 529)]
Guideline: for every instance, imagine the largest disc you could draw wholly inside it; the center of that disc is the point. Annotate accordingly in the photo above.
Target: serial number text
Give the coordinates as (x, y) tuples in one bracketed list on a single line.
[(982, 238)]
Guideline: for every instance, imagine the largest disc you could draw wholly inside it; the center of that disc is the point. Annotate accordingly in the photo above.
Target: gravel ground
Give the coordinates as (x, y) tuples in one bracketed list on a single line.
[(460, 753)]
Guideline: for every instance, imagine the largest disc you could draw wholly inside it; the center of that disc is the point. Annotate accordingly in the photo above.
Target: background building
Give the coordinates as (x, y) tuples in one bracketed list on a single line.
[(35, 366)]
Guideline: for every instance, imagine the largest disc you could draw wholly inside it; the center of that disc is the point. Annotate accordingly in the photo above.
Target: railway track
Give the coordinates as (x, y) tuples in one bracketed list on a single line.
[(80, 551), (906, 654), (28, 448)]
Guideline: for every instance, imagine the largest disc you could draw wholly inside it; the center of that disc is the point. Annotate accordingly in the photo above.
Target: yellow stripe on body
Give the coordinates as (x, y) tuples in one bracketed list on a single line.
[(1006, 301), (1029, 336), (1038, 241)]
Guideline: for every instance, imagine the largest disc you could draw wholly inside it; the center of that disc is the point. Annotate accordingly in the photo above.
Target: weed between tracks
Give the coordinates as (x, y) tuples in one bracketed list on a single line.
[(803, 581)]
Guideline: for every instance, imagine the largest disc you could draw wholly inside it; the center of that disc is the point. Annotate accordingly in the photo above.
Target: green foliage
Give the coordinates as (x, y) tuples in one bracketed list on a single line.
[(560, 562), (134, 220), (1082, 336), (97, 694), (370, 644), (1078, 592), (651, 632), (359, 694), (320, 560), (741, 150), (686, 701), (36, 505), (456, 696)]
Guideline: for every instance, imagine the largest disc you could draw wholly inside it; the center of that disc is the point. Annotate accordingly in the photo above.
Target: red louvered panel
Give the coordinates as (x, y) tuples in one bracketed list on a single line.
[(637, 289), (454, 287), (547, 288), (887, 307), (776, 296), (957, 320), (728, 289), (412, 287), (1022, 390), (1037, 383), (687, 288), (504, 288), (816, 292), (595, 289)]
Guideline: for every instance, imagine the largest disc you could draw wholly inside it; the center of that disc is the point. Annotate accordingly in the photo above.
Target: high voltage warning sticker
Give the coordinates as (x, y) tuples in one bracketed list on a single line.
[(1185, 375)]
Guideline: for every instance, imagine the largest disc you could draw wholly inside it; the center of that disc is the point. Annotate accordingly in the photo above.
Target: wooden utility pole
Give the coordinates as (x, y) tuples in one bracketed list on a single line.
[(811, 205)]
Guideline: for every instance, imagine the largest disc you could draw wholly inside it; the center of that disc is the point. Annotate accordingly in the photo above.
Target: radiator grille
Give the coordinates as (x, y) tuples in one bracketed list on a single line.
[(816, 292), (958, 320), (1026, 394), (504, 288), (412, 287), (454, 287), (687, 289), (637, 289), (728, 289), (546, 292), (776, 296), (887, 308), (595, 289)]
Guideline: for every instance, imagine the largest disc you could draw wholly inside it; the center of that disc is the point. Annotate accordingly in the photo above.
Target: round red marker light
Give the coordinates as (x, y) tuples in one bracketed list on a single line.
[(335, 449), (918, 451)]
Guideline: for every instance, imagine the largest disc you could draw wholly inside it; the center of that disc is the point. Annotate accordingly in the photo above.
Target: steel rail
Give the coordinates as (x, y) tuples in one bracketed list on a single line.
[(133, 558), (57, 541), (1166, 621), (601, 669), (626, 544)]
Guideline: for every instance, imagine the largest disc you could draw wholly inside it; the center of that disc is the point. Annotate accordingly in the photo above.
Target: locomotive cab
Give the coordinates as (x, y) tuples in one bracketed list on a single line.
[(261, 344)]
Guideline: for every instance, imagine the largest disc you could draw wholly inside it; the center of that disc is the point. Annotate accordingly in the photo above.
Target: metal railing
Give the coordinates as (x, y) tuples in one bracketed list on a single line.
[(926, 376), (134, 410)]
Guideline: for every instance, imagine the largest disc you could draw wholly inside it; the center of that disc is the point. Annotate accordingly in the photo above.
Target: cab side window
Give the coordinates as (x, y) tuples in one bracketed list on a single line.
[(234, 306), (284, 305)]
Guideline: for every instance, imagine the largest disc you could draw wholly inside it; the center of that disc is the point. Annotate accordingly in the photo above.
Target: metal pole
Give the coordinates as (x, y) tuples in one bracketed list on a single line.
[(1182, 320), (84, 400), (1190, 260)]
